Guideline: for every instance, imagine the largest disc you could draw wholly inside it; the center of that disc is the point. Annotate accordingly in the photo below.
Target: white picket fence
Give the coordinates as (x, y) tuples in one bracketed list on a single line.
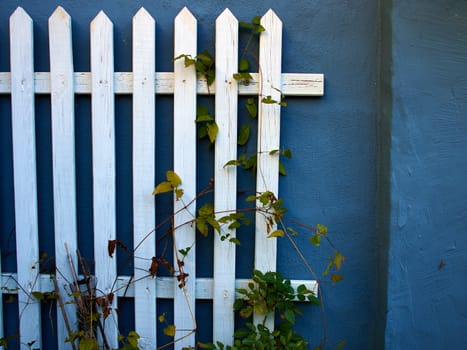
[(102, 83)]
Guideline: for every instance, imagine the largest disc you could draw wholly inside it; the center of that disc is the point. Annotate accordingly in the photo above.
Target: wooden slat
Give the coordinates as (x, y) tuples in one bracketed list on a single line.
[(185, 167), (24, 172), (270, 55), (63, 153), (165, 285), (293, 84), (103, 161), (144, 174), (225, 184)]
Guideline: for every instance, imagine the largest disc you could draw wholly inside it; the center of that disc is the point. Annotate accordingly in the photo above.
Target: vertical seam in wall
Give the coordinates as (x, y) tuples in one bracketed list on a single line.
[(383, 132)]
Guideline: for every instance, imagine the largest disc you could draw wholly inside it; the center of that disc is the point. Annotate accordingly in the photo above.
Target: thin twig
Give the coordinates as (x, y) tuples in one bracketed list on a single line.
[(64, 315)]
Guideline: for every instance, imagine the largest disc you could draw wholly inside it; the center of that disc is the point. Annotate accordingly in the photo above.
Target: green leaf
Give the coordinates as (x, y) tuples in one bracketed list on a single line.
[(234, 241), (178, 193), (170, 330), (201, 110), (243, 77), (210, 76), (341, 344), (189, 61), (245, 25), (185, 251), (181, 56), (315, 240), (277, 233), (289, 316), (243, 135), (338, 260), (336, 278), (243, 65), (173, 178), (214, 224), (282, 169), (246, 312), (322, 230), (206, 210), (202, 132), (204, 118), (252, 108), (163, 187), (232, 162), (213, 130), (273, 152), (287, 153), (250, 198), (205, 57), (268, 100), (88, 344), (38, 295)]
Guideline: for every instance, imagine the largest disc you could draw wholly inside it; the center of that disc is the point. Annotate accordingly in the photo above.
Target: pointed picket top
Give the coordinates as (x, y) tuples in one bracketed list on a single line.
[(101, 20), (185, 40), (63, 153), (20, 15), (225, 178), (227, 15), (185, 16), (60, 42), (143, 15), (60, 18), (144, 156), (270, 57), (24, 164)]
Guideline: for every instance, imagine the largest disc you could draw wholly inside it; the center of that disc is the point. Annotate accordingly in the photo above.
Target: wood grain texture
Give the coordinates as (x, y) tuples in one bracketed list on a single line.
[(103, 162), (185, 167), (24, 173), (165, 286), (144, 38), (225, 178), (293, 84), (270, 56), (63, 153)]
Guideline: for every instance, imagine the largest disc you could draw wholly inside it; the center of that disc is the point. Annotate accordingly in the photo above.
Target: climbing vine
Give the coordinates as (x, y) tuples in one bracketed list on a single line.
[(268, 294)]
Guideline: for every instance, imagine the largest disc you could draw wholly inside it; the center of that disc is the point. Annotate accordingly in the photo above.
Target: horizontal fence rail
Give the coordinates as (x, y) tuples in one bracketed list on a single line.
[(62, 83)]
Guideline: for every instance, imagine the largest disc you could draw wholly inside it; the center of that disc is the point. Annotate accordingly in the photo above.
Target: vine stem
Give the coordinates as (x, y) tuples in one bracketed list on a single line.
[(313, 273)]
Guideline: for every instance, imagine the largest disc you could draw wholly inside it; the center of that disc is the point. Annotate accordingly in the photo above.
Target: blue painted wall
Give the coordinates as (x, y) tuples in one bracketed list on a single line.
[(427, 304), (380, 159)]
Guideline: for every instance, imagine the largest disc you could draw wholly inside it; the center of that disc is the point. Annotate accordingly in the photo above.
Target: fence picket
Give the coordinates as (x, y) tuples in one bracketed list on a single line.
[(25, 184), (143, 83), (185, 167), (103, 162), (63, 152), (225, 184), (144, 174), (270, 54)]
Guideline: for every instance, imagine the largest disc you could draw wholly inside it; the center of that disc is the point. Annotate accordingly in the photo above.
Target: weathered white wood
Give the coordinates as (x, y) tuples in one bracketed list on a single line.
[(144, 67), (63, 153), (225, 178), (185, 167), (293, 84), (270, 55), (103, 162), (24, 172), (164, 285)]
